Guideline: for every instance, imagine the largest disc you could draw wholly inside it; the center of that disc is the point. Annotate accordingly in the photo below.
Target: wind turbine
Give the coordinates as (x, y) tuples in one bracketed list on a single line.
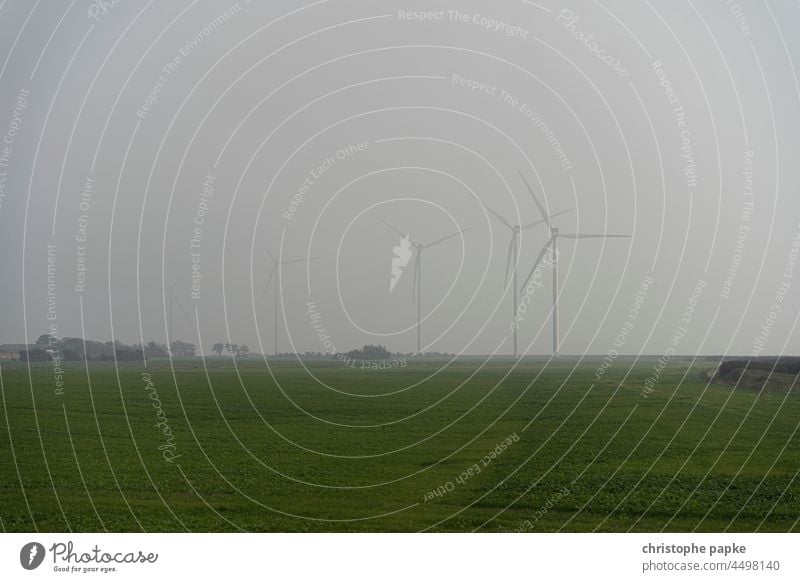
[(276, 264), (513, 255), (552, 245), (417, 285), (173, 299)]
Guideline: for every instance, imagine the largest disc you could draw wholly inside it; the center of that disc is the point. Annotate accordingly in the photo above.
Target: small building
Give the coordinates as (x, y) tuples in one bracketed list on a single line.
[(11, 351)]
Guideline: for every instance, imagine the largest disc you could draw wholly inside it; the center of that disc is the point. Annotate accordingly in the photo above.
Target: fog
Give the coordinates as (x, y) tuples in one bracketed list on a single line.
[(156, 157)]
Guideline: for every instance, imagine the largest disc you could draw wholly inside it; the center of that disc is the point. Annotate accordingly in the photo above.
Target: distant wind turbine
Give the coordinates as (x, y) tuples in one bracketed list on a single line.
[(552, 245), (513, 256), (173, 299), (276, 264), (417, 284)]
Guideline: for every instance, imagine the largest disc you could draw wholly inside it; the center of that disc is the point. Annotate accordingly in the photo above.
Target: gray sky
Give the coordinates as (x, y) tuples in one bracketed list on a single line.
[(642, 117)]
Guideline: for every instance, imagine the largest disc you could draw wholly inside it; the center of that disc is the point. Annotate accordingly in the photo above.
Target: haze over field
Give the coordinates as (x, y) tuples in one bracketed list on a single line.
[(171, 147), (398, 200)]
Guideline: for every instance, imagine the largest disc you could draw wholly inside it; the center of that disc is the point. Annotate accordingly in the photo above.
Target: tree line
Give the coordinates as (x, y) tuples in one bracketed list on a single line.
[(236, 350), (75, 349)]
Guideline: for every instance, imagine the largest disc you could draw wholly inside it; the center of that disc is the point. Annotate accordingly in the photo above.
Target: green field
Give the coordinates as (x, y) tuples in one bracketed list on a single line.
[(336, 449)]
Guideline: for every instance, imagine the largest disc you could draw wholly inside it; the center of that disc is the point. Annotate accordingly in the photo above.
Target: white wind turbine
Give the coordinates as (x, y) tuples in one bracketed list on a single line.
[(173, 299), (512, 259), (417, 284), (276, 264), (552, 245)]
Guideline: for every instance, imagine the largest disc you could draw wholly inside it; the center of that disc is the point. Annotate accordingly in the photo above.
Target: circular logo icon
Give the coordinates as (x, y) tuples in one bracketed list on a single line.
[(31, 555)]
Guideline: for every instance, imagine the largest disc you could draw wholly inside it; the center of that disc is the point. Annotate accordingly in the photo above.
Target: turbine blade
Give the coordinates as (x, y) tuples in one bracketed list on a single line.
[(266, 286), (498, 216), (538, 260), (581, 236), (396, 230), (309, 259), (532, 224), (441, 240), (535, 199)]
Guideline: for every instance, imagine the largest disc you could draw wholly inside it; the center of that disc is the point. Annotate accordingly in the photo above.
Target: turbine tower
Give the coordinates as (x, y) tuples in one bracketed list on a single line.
[(552, 245), (173, 299), (512, 260), (276, 264), (417, 284)]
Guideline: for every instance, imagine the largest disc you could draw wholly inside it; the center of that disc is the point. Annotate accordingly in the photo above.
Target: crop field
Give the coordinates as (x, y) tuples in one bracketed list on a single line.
[(469, 446)]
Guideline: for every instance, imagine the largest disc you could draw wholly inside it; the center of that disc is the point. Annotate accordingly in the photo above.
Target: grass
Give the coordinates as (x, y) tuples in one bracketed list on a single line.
[(337, 449)]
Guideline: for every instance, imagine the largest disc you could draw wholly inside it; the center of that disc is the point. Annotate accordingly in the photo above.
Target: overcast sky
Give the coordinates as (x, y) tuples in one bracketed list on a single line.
[(296, 129)]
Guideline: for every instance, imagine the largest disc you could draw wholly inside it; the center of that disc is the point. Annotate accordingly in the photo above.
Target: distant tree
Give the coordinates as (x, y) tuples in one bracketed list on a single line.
[(375, 352), (182, 349), (155, 350), (244, 351), (218, 348), (73, 344), (43, 340), (126, 354), (95, 349), (34, 355), (233, 349), (70, 356)]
